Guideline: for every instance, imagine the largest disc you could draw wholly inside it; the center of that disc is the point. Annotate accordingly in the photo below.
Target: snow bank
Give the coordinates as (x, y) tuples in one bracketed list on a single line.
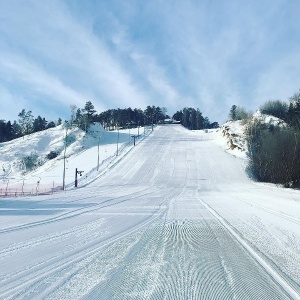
[(232, 138), (267, 119)]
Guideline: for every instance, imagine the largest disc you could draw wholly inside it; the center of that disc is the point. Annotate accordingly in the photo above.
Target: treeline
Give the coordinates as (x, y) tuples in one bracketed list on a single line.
[(26, 124), (274, 148), (188, 117), (287, 112), (117, 118), (193, 119), (110, 119)]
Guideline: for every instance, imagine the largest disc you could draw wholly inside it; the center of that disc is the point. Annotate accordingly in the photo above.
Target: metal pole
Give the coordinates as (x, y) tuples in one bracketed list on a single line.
[(152, 121), (98, 152), (37, 186), (64, 173), (76, 182), (129, 132), (118, 142), (6, 187)]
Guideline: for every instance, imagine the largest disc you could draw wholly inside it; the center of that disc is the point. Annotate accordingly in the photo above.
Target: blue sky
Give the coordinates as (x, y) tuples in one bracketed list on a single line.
[(207, 54)]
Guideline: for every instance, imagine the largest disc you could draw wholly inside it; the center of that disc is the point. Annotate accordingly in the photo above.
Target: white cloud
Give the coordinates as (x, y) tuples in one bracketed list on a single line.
[(63, 59), (202, 54), (37, 80), (10, 105), (280, 81)]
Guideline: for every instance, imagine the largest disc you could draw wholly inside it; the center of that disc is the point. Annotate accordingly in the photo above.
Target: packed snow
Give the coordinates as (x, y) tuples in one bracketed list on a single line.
[(174, 217)]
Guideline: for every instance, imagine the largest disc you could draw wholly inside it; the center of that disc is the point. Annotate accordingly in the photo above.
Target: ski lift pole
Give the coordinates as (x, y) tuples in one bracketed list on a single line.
[(134, 137), (6, 187), (64, 172), (118, 142), (76, 173), (37, 186), (129, 131), (98, 152), (23, 187)]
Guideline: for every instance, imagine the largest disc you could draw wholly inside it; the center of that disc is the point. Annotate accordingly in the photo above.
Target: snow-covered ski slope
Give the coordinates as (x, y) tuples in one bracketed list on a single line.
[(176, 218), (93, 153)]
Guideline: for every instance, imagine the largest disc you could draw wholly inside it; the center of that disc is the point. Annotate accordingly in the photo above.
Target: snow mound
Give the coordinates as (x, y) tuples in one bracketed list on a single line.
[(233, 133), (267, 119)]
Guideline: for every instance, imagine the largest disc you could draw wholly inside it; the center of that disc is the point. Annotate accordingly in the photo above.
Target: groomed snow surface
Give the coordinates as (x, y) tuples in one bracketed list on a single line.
[(176, 218)]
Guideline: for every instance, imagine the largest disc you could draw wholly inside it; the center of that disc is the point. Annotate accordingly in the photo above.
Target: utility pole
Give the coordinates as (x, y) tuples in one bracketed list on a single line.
[(98, 152), (76, 173), (23, 187), (118, 142), (64, 172), (152, 121), (37, 186), (129, 131), (98, 156), (134, 136), (6, 187)]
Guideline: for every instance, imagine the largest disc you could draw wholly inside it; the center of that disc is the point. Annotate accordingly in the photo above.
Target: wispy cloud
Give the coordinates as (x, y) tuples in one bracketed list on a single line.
[(279, 81), (118, 53), (37, 80), (65, 61)]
